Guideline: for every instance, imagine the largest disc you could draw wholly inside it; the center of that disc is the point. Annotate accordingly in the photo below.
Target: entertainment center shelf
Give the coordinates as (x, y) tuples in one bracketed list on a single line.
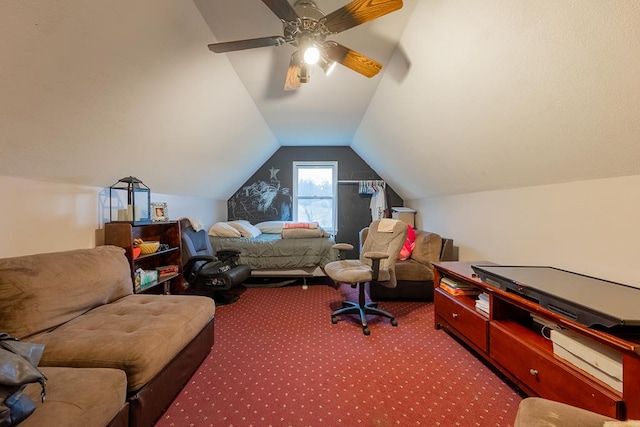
[(509, 339)]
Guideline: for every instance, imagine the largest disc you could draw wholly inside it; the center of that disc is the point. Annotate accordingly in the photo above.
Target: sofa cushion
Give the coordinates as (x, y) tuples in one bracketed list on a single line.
[(427, 248), (40, 292), (412, 270), (138, 333), (78, 397)]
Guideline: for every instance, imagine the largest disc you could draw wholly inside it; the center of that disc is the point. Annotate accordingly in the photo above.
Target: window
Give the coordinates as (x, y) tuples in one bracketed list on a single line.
[(315, 193)]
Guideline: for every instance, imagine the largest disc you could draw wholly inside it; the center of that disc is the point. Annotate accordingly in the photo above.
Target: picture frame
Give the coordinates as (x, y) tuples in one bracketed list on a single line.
[(159, 212)]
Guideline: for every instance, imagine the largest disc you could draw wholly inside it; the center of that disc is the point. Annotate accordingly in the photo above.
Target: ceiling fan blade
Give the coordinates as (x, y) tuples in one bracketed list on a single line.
[(351, 59), (358, 12), (292, 81), (247, 44), (282, 9)]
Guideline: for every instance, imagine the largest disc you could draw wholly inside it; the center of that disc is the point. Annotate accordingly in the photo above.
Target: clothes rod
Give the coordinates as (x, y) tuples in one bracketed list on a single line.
[(353, 181)]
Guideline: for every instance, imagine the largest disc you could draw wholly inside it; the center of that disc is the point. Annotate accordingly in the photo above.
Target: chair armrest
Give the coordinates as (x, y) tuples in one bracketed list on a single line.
[(343, 246), (197, 258), (376, 255), (188, 270)]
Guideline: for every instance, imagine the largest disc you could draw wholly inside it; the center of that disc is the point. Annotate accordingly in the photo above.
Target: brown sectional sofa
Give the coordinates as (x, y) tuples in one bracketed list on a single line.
[(81, 305), (80, 397), (415, 275)]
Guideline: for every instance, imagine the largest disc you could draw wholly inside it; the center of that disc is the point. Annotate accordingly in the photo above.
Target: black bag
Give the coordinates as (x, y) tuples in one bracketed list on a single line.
[(18, 367)]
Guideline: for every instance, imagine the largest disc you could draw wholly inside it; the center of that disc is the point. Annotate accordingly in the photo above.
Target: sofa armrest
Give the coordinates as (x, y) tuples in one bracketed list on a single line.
[(427, 247)]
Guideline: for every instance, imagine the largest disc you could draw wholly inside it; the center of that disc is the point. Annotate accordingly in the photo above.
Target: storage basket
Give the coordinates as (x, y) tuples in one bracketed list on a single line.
[(150, 247)]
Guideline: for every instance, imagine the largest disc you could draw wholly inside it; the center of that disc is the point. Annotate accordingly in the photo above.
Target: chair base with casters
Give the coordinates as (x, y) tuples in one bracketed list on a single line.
[(362, 307), (375, 265)]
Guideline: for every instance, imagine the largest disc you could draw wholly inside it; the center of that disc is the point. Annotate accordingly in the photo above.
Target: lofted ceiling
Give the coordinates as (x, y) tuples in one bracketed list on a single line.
[(328, 109), (473, 96)]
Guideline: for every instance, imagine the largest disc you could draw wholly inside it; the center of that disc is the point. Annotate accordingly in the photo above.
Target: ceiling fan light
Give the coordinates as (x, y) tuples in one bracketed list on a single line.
[(311, 55), (303, 73), (327, 66)]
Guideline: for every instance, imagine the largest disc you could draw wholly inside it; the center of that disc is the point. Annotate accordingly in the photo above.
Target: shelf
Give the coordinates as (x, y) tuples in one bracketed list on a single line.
[(526, 334), (168, 233), (518, 349), (142, 257), (161, 279)]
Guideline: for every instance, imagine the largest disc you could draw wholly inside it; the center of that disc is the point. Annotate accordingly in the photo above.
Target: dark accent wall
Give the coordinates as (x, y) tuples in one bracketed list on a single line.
[(267, 195)]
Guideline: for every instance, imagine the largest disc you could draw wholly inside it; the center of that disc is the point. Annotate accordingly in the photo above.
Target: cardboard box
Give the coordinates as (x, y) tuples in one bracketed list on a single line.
[(407, 215)]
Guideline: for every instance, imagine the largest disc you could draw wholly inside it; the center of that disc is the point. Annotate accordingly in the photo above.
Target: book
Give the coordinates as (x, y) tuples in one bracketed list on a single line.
[(455, 285), (457, 291), (167, 269), (482, 303)]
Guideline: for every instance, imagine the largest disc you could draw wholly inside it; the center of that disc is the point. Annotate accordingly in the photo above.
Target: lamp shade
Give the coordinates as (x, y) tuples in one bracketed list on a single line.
[(129, 201)]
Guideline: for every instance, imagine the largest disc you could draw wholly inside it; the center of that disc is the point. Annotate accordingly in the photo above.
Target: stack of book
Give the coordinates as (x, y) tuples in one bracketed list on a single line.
[(455, 288), (482, 303)]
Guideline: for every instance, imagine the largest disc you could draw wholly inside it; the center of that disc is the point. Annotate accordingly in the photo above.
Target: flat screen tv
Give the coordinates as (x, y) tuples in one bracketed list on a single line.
[(584, 299)]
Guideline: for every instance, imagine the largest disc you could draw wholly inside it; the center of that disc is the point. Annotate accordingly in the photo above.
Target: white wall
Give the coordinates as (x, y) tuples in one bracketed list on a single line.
[(39, 216), (590, 227)]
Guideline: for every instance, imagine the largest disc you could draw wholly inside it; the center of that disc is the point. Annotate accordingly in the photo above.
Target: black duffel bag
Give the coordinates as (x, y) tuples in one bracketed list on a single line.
[(18, 367)]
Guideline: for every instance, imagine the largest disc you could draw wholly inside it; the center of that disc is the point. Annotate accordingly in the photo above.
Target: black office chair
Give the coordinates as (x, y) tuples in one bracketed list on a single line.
[(207, 272), (376, 265)]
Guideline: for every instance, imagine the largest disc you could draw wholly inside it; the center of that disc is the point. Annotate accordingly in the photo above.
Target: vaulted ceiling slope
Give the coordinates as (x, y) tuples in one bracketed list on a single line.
[(328, 109), (501, 94), (477, 95), (91, 91)]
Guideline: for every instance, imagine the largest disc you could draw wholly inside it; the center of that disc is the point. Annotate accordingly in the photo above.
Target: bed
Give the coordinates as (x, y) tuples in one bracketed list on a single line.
[(272, 250)]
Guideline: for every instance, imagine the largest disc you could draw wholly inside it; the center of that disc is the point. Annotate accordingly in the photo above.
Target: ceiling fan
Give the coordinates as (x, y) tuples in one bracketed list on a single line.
[(307, 27)]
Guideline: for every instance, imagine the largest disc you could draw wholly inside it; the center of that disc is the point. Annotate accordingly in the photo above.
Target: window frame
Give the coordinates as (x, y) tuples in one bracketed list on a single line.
[(333, 165)]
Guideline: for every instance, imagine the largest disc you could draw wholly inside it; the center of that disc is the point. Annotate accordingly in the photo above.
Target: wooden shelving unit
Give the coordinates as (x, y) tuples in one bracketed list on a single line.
[(123, 235), (509, 340)]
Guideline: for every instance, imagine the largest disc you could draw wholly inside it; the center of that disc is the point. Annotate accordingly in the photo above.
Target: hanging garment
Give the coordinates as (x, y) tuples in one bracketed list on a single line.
[(378, 204)]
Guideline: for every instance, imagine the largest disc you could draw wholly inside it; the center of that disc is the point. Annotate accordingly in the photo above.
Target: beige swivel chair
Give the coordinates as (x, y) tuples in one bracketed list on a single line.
[(376, 264)]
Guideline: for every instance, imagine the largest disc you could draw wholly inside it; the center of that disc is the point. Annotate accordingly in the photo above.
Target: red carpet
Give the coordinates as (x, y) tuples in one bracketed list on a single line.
[(278, 361)]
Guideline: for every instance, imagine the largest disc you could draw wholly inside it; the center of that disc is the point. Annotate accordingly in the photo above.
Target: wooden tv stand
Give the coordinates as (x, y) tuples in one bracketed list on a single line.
[(507, 339)]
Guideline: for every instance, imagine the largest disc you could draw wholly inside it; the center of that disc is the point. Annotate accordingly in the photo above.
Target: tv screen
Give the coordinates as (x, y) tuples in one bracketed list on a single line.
[(587, 300)]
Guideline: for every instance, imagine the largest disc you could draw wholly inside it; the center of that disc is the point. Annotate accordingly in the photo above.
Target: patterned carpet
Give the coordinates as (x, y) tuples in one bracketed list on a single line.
[(278, 361)]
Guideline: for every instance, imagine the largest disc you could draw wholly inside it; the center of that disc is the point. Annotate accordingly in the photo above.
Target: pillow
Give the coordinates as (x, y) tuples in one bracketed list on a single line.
[(313, 224), (223, 229), (409, 244), (245, 228), (271, 227)]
